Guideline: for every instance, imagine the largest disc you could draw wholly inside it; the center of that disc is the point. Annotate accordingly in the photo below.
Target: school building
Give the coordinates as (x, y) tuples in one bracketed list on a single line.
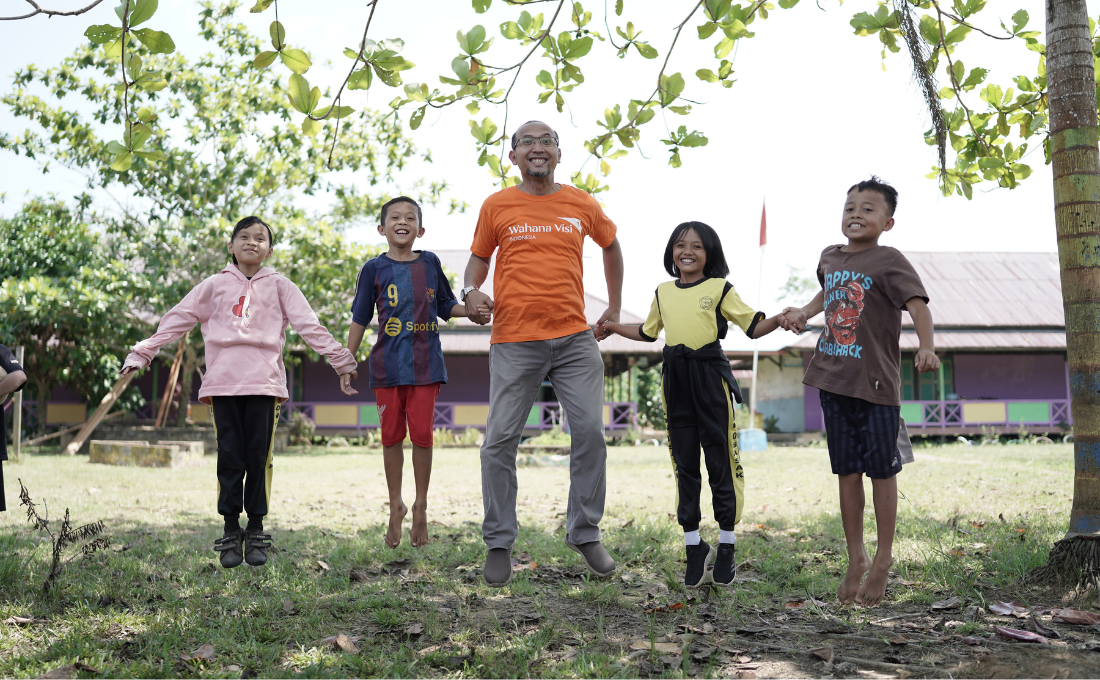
[(1001, 338)]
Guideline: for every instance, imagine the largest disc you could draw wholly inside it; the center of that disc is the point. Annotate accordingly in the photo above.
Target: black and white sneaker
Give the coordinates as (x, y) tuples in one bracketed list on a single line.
[(699, 558), (725, 566)]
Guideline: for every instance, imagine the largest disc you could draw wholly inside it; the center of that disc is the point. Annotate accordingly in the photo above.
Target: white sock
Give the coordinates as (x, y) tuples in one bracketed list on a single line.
[(726, 537), (691, 537)]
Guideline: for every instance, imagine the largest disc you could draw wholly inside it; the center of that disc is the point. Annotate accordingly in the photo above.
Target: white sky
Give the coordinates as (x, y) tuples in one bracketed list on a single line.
[(811, 113)]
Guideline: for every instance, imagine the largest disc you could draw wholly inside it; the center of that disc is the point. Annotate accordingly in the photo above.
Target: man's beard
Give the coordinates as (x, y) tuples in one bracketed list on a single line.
[(537, 174)]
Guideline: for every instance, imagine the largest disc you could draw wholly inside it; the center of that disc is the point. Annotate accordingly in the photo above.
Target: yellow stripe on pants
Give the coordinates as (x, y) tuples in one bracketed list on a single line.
[(271, 455), (736, 470)]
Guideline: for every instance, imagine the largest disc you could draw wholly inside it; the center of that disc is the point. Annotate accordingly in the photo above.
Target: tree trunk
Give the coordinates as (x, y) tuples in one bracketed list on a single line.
[(1076, 160), (187, 374)]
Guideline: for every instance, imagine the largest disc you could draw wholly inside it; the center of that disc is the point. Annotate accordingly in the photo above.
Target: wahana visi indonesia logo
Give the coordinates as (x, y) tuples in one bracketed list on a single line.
[(240, 310)]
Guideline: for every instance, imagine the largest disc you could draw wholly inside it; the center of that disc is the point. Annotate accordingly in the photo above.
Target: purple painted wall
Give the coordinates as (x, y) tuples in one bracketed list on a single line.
[(1010, 376), (814, 418), (467, 381)]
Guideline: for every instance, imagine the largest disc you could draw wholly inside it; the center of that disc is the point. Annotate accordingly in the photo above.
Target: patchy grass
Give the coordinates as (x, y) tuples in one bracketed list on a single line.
[(972, 522)]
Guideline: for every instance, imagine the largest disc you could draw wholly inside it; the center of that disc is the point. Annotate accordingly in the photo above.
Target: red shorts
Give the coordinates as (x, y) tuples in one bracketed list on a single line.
[(412, 403)]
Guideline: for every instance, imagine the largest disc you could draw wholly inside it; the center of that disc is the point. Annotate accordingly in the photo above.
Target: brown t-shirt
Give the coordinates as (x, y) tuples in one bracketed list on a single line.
[(858, 353)]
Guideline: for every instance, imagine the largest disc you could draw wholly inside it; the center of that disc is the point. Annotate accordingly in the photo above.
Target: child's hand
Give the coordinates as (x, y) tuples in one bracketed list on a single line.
[(793, 319), (128, 369), (345, 383), (926, 360)]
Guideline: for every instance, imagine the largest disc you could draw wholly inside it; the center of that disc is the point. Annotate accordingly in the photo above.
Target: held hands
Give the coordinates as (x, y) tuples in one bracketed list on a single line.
[(792, 319), (345, 383), (479, 307), (601, 331), (926, 361)]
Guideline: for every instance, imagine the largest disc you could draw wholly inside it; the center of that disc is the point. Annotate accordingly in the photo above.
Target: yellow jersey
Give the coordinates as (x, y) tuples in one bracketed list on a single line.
[(696, 314)]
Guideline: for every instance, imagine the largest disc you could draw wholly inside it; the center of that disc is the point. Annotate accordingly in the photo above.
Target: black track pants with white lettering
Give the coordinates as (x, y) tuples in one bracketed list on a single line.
[(245, 429)]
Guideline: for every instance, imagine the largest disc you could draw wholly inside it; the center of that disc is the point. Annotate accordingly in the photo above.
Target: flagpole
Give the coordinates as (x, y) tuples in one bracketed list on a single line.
[(759, 304)]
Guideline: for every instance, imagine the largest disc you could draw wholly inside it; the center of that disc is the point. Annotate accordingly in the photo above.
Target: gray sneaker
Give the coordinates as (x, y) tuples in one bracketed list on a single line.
[(498, 567), (596, 558)]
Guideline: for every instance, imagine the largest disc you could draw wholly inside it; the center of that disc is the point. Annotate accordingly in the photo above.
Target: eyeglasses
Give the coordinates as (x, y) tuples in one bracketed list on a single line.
[(530, 141)]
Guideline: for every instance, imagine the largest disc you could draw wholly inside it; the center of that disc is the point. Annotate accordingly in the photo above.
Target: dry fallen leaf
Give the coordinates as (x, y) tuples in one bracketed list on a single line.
[(895, 658), (428, 650), (949, 603), (1075, 616), (1021, 635), (358, 576), (744, 659), (676, 605), (323, 565), (665, 647), (517, 567), (899, 640), (1045, 631), (345, 644), (60, 672), (204, 653), (288, 606), (825, 653), (657, 589), (22, 620), (674, 661), (972, 640), (414, 629)]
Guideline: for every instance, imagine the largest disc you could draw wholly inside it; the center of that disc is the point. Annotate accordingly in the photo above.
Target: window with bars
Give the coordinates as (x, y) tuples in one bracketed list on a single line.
[(926, 386)]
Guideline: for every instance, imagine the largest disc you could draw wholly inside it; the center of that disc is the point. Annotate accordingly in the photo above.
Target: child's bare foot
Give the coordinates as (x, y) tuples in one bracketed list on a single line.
[(420, 525), (873, 590), (397, 515), (849, 587)]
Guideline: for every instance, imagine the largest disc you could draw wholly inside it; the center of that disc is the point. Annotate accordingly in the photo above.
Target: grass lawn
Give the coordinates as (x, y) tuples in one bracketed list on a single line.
[(973, 521)]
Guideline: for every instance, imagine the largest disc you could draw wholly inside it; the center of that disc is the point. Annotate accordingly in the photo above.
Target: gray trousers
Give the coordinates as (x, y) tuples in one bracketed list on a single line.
[(516, 369)]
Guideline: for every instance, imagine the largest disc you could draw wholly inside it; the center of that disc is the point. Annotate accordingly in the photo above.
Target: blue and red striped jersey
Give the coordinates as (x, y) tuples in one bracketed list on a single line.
[(409, 297)]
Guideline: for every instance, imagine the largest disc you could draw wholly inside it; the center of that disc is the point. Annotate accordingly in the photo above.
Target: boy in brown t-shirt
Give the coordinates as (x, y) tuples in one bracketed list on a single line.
[(856, 366)]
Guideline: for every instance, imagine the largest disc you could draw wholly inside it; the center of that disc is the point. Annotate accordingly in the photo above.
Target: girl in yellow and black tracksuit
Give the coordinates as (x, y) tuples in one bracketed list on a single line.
[(699, 388)]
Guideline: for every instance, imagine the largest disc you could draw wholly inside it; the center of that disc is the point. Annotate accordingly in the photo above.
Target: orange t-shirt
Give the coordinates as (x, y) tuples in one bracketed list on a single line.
[(538, 286)]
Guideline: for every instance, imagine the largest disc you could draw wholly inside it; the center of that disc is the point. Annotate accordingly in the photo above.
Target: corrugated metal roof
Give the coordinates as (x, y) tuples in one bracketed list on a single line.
[(989, 290), (963, 340), (455, 261), (478, 343)]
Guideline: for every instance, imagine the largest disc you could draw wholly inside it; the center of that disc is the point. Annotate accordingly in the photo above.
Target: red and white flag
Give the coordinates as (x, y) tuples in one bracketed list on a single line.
[(764, 225)]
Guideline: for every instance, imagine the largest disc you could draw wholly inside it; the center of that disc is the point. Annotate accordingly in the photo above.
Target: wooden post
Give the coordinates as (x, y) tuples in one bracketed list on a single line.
[(170, 387), (105, 405), (17, 406)]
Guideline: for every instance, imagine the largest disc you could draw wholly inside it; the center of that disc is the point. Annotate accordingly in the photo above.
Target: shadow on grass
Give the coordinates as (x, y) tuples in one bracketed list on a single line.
[(158, 593)]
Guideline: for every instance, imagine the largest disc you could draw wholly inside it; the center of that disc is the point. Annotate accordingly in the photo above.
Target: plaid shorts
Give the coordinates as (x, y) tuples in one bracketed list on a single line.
[(862, 436)]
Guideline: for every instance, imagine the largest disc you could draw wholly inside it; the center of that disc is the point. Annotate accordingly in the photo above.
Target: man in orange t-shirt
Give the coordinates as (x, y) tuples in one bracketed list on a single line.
[(539, 331)]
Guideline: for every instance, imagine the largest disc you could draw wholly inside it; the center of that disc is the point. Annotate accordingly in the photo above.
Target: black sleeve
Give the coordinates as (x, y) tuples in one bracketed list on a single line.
[(8, 362)]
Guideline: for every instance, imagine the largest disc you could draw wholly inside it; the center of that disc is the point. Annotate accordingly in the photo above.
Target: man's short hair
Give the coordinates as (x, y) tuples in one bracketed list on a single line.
[(402, 199), (515, 139), (875, 184)]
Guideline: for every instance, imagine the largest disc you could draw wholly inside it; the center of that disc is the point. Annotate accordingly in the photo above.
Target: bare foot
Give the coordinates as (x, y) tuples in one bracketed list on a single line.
[(420, 525), (397, 515), (849, 587), (873, 590)]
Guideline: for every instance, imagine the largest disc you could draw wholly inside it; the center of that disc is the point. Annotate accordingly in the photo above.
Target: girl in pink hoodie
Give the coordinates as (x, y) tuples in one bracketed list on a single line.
[(244, 311)]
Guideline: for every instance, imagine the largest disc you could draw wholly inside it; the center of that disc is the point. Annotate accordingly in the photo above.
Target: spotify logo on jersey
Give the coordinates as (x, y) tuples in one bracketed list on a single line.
[(393, 326)]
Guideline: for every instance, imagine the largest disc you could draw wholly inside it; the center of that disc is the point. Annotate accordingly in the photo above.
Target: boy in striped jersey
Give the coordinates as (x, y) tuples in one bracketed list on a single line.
[(409, 290)]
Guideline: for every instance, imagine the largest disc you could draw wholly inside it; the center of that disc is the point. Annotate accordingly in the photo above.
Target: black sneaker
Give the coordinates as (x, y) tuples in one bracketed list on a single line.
[(229, 546), (256, 545), (699, 558), (725, 566)]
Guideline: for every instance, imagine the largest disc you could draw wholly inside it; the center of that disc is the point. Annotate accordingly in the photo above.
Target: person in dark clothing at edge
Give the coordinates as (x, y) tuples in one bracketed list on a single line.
[(12, 379), (698, 388)]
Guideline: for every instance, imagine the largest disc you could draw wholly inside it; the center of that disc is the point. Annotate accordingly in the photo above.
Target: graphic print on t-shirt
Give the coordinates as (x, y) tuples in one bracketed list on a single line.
[(844, 293)]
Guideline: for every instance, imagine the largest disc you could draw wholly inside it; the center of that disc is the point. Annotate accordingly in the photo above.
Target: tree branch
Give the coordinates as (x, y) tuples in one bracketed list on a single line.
[(961, 22), (50, 12)]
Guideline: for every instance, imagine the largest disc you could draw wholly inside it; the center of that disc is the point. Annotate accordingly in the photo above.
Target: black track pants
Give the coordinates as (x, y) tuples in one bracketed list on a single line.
[(245, 428), (722, 469)]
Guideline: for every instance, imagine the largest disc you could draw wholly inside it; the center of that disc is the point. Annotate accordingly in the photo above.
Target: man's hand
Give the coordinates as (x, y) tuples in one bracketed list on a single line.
[(476, 305), (793, 319), (926, 360), (600, 332), (345, 383)]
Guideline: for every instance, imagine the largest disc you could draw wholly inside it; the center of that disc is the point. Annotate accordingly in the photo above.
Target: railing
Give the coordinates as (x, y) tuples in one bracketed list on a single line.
[(1000, 412), (617, 415)]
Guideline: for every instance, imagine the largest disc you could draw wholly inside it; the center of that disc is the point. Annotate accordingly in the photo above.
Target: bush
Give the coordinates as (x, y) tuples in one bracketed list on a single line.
[(301, 429)]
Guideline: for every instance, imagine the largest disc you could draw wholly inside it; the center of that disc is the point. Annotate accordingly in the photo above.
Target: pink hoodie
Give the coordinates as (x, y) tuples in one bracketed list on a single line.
[(244, 326)]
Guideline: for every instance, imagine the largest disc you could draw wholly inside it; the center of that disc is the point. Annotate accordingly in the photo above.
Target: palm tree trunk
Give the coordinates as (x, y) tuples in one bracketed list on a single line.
[(1076, 160)]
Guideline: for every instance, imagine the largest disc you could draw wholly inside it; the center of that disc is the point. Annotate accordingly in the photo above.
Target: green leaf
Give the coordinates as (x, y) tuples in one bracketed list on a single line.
[(115, 148), (122, 162), (265, 59), (311, 127), (976, 77), (157, 42), (152, 81), (298, 93), (314, 99), (143, 10), (136, 136), (296, 60), (707, 75), (674, 160), (545, 79), (388, 77), (735, 29), (472, 108), (417, 116), (579, 48), (338, 113), (114, 50), (618, 8), (146, 114), (644, 49), (481, 6), (483, 132), (511, 30), (103, 33), (260, 6), (133, 67), (278, 35), (470, 42), (706, 30), (787, 4), (153, 156), (1019, 20), (361, 79)]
